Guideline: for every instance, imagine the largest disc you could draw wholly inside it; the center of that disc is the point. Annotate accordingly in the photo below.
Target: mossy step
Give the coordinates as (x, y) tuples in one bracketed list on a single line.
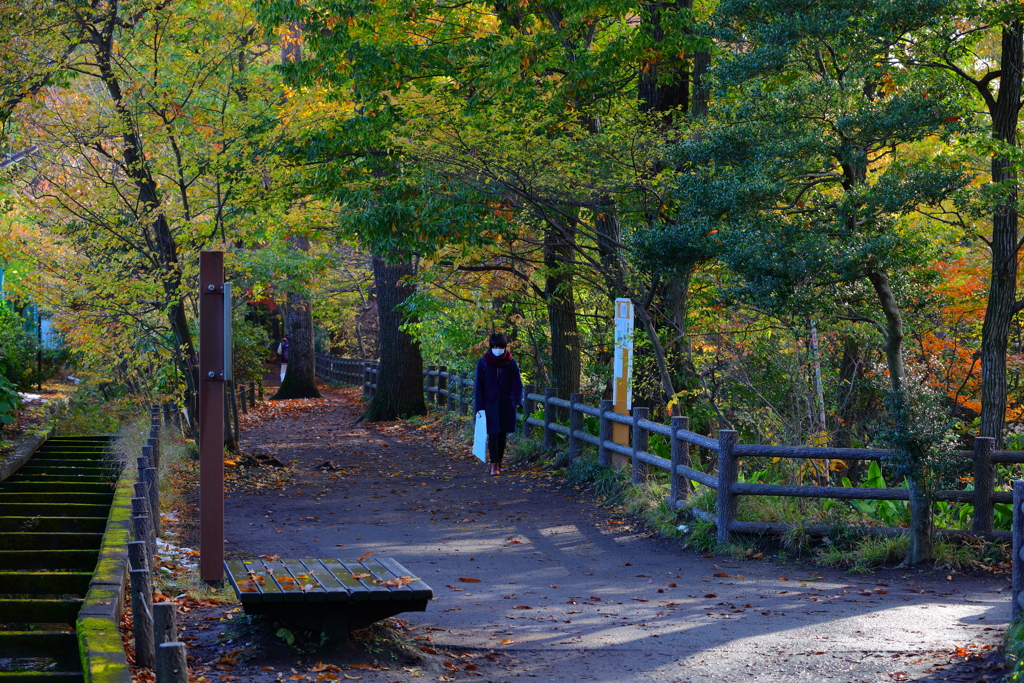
[(80, 462), (57, 560), (41, 677), (50, 510), (55, 497), (64, 472), (67, 441), (31, 540), (17, 486), (68, 476), (89, 525), (39, 611), (77, 459), (22, 644), (44, 583), (81, 437)]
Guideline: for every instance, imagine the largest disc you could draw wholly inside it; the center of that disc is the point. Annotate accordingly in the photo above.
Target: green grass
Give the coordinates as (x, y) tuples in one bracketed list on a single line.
[(1013, 652)]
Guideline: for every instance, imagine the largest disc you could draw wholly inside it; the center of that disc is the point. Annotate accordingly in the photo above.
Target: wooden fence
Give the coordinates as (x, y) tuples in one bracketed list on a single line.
[(448, 391)]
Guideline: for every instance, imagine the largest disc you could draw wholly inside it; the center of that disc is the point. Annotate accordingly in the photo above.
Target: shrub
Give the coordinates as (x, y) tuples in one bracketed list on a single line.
[(17, 349)]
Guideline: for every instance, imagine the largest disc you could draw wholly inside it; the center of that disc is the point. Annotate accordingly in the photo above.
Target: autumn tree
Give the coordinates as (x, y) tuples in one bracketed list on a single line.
[(155, 150), (809, 183)]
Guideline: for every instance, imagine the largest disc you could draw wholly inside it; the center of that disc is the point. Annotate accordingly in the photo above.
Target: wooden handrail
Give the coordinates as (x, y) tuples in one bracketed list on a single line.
[(451, 386)]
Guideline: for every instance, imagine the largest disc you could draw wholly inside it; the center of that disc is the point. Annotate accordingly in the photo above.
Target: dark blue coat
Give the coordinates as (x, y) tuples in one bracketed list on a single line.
[(497, 391)]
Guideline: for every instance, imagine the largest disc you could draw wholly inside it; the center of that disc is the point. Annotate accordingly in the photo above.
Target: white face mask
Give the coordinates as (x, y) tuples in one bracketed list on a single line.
[(497, 352)]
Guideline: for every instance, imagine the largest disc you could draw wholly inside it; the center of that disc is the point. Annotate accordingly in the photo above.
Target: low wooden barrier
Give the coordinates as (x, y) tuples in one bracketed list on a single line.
[(453, 391)]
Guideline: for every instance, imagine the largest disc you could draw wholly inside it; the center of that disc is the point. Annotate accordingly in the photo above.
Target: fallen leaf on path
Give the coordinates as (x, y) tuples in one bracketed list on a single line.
[(468, 580), (506, 641), (364, 556)]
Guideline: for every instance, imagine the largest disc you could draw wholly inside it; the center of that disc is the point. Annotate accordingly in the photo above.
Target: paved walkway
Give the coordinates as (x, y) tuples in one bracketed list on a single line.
[(569, 593)]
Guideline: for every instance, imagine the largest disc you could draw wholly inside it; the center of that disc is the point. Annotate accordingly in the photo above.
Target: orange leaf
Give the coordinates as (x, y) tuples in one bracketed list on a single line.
[(521, 607), (364, 556), (506, 641), (469, 580)]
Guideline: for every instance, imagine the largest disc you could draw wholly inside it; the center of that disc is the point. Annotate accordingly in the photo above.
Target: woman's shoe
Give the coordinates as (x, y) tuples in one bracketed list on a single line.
[(495, 471), (499, 468)]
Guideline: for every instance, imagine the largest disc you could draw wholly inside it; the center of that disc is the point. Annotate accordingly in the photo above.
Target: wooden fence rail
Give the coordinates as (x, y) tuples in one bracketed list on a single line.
[(453, 391)]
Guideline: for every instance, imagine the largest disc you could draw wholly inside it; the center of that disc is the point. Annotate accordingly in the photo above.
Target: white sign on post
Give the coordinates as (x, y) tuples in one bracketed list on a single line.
[(622, 389)]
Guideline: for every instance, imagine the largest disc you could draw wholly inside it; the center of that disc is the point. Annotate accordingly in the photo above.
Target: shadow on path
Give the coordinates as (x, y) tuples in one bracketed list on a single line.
[(568, 593)]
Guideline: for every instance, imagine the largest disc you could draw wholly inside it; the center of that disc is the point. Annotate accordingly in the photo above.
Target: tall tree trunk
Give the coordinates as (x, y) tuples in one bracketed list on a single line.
[(663, 88), (561, 300), (400, 380), (1002, 293), (921, 523), (700, 98), (152, 219), (300, 377)]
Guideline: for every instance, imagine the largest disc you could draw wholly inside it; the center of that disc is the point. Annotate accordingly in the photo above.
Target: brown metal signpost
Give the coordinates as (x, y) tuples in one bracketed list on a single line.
[(211, 415)]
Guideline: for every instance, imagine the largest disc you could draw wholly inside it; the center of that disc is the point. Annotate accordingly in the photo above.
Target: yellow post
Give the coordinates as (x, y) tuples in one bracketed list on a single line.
[(622, 389)]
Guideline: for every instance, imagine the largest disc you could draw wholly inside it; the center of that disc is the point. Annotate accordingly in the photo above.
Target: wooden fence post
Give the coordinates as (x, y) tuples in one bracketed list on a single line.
[(142, 617), (171, 663), (529, 405), (575, 425), (165, 623), (1018, 550), (453, 393), (429, 384), (641, 438), (366, 380), (143, 524), (728, 474), (442, 386), (984, 484), (604, 456), (137, 552), (154, 499), (463, 403), (549, 417), (679, 486)]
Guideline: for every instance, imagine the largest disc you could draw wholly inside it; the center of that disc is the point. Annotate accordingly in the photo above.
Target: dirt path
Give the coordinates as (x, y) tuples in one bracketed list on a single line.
[(566, 593)]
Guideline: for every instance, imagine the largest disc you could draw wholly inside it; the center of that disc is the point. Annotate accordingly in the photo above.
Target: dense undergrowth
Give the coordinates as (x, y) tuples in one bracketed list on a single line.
[(852, 541)]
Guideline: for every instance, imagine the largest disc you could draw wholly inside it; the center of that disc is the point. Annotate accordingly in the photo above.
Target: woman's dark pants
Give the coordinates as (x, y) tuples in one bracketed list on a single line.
[(496, 447)]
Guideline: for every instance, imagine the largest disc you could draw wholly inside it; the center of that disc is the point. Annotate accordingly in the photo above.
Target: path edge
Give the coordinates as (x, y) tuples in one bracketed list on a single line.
[(99, 638), (22, 452)]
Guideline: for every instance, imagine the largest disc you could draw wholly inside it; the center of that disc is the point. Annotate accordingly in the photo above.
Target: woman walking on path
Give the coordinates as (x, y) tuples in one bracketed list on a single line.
[(498, 391)]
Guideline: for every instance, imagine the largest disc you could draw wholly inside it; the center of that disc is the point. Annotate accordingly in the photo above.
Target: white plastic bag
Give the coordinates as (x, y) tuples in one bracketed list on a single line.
[(480, 436)]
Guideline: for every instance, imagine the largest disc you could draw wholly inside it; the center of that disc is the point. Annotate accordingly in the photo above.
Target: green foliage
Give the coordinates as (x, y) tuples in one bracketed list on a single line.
[(17, 349), (94, 410), (249, 344), (868, 552), (9, 400), (892, 513), (1013, 651), (919, 434)]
